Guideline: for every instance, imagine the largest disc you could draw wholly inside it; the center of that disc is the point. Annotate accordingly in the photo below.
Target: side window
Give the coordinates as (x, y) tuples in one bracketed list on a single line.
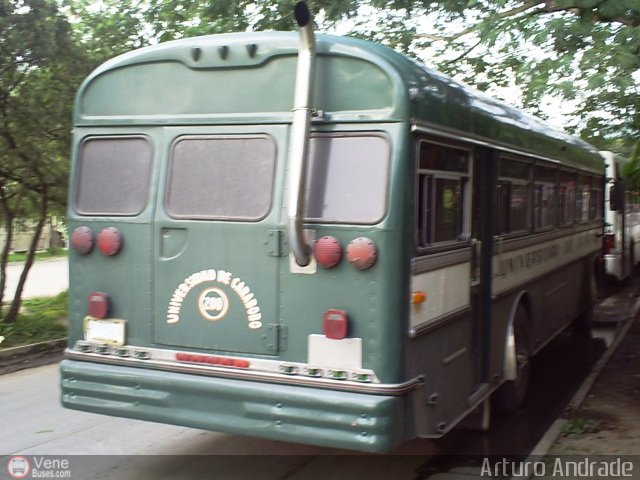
[(596, 200), (544, 197), (443, 184), (514, 197), (583, 195), (113, 176), (567, 198)]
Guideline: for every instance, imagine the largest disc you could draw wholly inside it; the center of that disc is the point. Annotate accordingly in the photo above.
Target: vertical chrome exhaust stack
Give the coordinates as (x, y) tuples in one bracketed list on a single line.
[(299, 142)]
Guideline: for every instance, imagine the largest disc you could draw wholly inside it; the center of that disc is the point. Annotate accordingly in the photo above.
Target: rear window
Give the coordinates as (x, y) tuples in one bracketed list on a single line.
[(221, 178), (113, 176), (347, 178)]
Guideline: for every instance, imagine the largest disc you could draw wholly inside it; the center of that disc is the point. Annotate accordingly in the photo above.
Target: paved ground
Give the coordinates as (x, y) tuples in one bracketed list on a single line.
[(608, 421), (46, 278), (605, 422)]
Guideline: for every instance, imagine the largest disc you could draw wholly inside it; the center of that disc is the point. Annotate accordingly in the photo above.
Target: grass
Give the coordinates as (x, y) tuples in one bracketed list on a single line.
[(41, 319), (578, 426), (50, 253)]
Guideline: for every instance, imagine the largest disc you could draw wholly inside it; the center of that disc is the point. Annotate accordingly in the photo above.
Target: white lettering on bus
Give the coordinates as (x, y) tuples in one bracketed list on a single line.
[(208, 305)]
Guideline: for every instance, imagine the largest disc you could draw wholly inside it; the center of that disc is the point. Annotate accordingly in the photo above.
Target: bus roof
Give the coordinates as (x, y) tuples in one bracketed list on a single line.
[(249, 78)]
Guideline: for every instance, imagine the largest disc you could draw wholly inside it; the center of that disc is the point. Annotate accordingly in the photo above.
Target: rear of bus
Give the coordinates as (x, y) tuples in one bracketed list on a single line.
[(186, 303), (618, 239)]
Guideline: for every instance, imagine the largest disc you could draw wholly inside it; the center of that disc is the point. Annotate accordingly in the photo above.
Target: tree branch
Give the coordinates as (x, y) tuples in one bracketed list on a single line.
[(527, 5)]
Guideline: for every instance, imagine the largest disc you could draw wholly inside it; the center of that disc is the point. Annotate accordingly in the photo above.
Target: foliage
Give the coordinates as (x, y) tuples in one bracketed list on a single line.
[(581, 57), (42, 319), (46, 254), (40, 69), (579, 426)]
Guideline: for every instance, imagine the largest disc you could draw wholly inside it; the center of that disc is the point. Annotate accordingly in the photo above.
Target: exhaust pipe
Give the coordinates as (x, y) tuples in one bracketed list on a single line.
[(299, 142)]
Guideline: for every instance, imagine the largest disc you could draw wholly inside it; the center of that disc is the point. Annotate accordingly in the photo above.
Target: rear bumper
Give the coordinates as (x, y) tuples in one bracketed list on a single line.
[(356, 421)]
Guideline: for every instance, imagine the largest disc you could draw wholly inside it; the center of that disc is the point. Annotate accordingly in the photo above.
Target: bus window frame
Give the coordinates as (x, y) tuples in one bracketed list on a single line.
[(596, 202), (545, 183), (423, 245), (584, 185), (518, 181), (562, 218)]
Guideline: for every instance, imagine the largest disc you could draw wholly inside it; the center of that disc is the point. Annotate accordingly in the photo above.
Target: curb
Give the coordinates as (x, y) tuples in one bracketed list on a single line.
[(8, 353), (552, 434)]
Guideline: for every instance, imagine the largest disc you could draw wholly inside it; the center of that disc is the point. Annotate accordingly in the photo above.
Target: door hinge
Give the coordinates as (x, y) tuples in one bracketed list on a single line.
[(276, 338), (275, 243)]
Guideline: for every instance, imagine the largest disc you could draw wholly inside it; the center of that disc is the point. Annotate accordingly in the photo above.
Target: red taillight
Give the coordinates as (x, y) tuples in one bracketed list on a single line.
[(362, 253), (608, 243), (328, 252), (335, 324), (82, 240), (110, 241), (98, 304)]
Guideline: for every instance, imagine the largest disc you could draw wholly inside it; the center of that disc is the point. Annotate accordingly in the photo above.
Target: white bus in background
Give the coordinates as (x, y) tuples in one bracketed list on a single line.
[(621, 240)]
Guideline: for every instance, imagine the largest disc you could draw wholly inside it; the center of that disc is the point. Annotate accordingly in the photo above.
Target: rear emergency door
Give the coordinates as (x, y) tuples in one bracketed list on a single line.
[(217, 240)]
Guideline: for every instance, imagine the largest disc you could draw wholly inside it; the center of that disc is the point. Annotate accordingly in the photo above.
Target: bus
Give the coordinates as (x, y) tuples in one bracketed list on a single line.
[(620, 245), (315, 239)]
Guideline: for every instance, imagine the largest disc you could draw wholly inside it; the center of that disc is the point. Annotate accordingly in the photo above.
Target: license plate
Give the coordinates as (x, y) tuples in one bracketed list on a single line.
[(109, 331)]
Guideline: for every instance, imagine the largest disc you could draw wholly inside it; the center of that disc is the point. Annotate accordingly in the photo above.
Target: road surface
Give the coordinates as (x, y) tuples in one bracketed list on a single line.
[(33, 423), (46, 278)]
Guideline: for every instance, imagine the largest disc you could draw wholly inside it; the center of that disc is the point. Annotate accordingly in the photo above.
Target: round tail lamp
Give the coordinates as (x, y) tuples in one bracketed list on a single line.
[(362, 253), (328, 252), (82, 240), (110, 241)]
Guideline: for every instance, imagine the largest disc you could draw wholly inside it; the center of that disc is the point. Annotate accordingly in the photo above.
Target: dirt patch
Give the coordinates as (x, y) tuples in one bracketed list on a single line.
[(608, 422), (30, 360)]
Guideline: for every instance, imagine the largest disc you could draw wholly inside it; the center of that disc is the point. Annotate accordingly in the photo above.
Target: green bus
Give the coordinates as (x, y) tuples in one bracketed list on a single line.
[(315, 239)]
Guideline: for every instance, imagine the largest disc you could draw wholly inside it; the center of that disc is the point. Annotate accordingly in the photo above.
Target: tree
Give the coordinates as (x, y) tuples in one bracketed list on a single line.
[(582, 54), (40, 69)]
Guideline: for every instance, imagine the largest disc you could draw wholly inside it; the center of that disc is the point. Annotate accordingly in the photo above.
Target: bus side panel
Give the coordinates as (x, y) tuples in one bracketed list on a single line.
[(445, 356), (555, 276)]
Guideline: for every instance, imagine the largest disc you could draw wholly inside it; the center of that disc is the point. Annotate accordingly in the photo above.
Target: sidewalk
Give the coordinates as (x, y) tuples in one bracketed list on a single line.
[(607, 422)]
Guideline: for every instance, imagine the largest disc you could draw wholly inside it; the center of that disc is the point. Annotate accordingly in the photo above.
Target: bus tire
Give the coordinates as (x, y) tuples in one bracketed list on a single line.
[(511, 394)]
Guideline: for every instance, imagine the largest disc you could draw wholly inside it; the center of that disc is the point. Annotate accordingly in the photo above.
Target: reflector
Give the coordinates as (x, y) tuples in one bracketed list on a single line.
[(213, 360), (82, 240), (418, 297), (362, 253)]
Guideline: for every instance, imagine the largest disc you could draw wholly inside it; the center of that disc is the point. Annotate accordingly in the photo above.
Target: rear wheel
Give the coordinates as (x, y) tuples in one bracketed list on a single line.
[(510, 396)]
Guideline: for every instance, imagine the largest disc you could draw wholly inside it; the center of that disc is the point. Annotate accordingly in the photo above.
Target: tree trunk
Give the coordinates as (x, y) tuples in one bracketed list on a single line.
[(6, 248), (12, 315)]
